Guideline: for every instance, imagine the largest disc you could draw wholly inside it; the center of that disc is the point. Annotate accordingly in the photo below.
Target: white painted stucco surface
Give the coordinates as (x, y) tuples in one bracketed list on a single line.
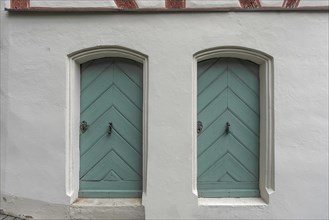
[(34, 49), (74, 3)]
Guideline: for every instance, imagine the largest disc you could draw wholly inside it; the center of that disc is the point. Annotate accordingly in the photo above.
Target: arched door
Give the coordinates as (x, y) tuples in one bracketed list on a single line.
[(111, 106), (228, 120)]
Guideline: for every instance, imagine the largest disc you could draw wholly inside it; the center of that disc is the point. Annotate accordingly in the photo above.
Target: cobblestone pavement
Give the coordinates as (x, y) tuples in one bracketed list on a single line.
[(8, 217)]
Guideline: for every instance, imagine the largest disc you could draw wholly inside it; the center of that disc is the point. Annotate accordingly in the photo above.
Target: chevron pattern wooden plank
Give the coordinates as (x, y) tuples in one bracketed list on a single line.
[(228, 164), (111, 165)]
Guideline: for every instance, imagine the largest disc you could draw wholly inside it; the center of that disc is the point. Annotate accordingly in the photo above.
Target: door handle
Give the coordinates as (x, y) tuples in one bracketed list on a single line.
[(109, 130), (199, 127), (83, 127), (227, 129)]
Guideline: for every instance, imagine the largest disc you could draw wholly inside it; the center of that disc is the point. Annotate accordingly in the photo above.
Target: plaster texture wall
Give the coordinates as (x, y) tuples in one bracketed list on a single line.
[(34, 49)]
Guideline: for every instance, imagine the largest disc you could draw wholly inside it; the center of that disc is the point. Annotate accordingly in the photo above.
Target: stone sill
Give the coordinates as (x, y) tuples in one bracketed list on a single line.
[(231, 202), (88, 202)]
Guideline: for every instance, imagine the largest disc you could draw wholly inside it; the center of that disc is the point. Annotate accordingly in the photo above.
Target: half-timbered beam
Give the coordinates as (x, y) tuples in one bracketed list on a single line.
[(290, 3), (126, 4), (250, 4), (19, 4), (172, 4)]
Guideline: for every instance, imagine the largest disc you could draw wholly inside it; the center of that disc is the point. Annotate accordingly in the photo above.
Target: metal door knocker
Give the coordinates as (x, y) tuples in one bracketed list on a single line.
[(83, 127)]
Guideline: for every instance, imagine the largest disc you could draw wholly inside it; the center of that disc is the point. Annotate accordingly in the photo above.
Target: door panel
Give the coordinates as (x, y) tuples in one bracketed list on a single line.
[(228, 145), (111, 164)]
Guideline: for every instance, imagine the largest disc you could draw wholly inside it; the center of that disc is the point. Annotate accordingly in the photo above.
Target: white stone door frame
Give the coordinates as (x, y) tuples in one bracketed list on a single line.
[(266, 77), (73, 110)]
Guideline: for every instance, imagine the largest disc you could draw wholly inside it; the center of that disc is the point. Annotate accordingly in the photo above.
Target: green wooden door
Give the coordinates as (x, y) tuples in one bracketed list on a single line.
[(228, 144), (111, 154)]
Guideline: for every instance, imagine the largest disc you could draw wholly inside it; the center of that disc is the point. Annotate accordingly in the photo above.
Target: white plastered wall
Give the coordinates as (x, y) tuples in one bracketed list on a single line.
[(34, 49)]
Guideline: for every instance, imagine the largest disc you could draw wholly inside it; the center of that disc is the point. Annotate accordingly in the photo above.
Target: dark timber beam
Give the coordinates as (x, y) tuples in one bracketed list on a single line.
[(290, 3), (126, 4), (250, 4), (19, 4), (175, 4)]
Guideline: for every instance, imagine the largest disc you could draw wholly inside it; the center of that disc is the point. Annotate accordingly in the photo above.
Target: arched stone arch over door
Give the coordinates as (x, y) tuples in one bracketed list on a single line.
[(111, 111)]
